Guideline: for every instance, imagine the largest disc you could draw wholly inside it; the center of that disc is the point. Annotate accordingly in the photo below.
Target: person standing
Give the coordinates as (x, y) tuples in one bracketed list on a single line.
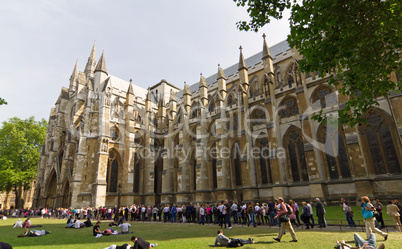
[(297, 211), (285, 222), (251, 214), (272, 212), (320, 212), (393, 211), (399, 205), (311, 212), (233, 208), (202, 214), (379, 207), (305, 217), (228, 214), (367, 212)]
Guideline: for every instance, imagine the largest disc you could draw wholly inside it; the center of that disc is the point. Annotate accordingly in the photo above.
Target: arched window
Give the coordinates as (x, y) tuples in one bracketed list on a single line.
[(296, 156), (138, 138), (381, 139), (254, 89), (212, 106), (212, 129), (61, 155), (137, 172), (288, 108), (258, 116), (335, 152), (264, 161), (323, 97), (231, 99), (114, 133), (237, 164), (112, 172), (213, 153), (195, 110)]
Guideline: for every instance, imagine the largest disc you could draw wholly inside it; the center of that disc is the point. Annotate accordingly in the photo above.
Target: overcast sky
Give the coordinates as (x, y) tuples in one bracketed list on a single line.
[(147, 41)]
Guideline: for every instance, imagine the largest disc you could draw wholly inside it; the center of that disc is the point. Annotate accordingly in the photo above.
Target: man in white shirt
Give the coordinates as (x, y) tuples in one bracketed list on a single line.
[(202, 214), (78, 224), (233, 208), (311, 213)]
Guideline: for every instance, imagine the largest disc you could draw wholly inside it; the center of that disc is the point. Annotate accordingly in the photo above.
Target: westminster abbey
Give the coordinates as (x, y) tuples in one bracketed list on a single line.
[(244, 133)]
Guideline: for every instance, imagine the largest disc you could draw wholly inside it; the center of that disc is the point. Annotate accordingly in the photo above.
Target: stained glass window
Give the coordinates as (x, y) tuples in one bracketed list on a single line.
[(258, 116), (381, 145), (114, 133), (297, 158), (237, 165), (288, 108), (323, 98)]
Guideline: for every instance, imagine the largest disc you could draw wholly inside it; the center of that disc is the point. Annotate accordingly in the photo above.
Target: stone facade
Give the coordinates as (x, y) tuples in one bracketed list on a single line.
[(7, 199), (245, 133)]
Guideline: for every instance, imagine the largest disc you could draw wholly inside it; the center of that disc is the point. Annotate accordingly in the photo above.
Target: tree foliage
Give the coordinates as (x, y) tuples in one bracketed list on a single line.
[(20, 146), (357, 43), (2, 102)]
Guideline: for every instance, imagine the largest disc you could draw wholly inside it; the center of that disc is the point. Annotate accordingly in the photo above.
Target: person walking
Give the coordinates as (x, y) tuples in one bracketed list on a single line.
[(285, 222), (319, 207), (393, 211), (379, 207), (367, 212), (311, 212), (349, 215), (251, 214)]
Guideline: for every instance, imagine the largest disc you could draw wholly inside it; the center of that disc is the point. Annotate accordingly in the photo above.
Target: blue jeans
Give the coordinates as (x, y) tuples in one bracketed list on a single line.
[(359, 241), (350, 221), (273, 220), (202, 219), (252, 219), (227, 220)]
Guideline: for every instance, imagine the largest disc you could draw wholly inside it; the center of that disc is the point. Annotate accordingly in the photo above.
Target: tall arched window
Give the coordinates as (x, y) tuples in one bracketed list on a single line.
[(335, 152), (137, 172), (296, 156), (194, 174), (61, 155), (212, 105), (213, 154), (288, 107), (112, 172), (231, 99), (381, 139), (265, 171), (323, 97), (237, 164)]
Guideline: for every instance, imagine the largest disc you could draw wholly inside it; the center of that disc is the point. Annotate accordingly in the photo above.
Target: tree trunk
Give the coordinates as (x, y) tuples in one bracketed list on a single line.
[(18, 193)]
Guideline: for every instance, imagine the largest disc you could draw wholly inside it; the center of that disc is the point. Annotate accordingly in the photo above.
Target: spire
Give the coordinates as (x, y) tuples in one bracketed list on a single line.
[(265, 50), (242, 63), (130, 88), (101, 66), (148, 95), (92, 56), (203, 82), (75, 71), (221, 74), (186, 89)]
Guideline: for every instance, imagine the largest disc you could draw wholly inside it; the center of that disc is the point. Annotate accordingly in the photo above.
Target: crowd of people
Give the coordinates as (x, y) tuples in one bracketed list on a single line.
[(274, 213)]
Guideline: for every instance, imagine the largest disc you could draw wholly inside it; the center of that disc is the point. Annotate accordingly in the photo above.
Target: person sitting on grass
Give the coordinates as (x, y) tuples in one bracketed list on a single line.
[(125, 226), (69, 223), (27, 224), (88, 222), (78, 224), (222, 240), (18, 223), (360, 243), (140, 243), (33, 233), (96, 230)]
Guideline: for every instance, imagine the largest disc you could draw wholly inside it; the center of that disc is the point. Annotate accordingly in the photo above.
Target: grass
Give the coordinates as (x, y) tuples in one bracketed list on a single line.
[(173, 236)]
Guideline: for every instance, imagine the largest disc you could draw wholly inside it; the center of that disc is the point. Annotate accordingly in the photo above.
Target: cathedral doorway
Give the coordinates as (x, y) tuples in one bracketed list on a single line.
[(51, 191), (66, 198)]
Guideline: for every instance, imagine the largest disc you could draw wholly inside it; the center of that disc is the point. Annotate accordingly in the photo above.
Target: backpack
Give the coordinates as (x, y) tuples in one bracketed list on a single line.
[(290, 210)]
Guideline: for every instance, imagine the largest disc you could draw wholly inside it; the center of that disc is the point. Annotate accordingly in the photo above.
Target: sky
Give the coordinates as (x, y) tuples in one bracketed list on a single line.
[(146, 41)]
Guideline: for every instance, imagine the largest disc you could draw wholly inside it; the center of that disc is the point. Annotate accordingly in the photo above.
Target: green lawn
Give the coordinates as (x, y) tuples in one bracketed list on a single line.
[(174, 236)]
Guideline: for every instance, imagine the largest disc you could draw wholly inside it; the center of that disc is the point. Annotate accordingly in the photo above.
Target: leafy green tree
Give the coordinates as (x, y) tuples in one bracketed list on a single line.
[(20, 146), (357, 43), (2, 102)]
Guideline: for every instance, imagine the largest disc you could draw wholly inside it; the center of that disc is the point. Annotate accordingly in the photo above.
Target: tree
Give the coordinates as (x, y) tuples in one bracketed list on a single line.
[(20, 146), (2, 102), (357, 43)]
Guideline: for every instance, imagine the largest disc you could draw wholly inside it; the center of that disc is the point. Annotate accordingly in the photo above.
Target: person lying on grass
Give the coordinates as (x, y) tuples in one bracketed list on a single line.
[(33, 233), (139, 243), (222, 240), (360, 243)]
